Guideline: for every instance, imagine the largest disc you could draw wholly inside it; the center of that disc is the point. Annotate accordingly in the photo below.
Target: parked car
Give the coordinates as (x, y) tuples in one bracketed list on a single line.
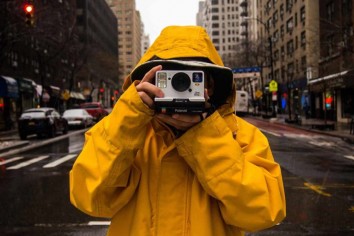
[(95, 109), (41, 121), (78, 117)]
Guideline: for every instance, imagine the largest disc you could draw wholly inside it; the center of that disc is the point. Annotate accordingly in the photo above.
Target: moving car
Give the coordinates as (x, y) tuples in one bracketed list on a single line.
[(78, 117), (95, 109), (41, 121)]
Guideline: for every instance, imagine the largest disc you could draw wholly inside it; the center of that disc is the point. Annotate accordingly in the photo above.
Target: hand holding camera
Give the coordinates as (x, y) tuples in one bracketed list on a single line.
[(183, 91), (147, 90)]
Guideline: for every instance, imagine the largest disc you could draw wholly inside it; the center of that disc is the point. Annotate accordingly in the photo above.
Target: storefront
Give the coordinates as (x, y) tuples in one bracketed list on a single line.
[(332, 96), (27, 92), (8, 99)]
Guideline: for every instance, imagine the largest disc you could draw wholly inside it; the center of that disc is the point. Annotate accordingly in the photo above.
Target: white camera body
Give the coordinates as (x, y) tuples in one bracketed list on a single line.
[(183, 89)]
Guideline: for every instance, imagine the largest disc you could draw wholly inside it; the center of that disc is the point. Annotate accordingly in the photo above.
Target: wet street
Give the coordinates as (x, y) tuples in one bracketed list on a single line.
[(317, 172)]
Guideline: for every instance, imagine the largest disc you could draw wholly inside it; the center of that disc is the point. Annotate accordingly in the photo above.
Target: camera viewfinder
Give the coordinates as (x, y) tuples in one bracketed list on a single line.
[(162, 80)]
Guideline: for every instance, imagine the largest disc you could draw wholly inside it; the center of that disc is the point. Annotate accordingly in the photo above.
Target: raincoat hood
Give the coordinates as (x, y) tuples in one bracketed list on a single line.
[(183, 47)]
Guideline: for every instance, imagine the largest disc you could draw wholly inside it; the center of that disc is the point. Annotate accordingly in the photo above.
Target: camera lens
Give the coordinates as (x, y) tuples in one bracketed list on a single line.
[(181, 81)]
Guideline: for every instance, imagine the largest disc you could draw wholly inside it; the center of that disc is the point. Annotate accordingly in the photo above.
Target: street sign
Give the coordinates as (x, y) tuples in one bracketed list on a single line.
[(273, 86), (259, 93), (65, 95), (246, 72)]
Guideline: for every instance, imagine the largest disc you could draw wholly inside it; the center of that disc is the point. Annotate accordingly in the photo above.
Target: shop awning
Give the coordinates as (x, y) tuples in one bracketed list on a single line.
[(8, 87), (55, 91), (77, 95), (327, 77), (26, 85)]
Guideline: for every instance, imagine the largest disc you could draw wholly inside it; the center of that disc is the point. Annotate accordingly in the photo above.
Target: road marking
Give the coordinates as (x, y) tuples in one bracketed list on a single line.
[(10, 160), (98, 223), (269, 132), (317, 189), (59, 161), (321, 144), (27, 163), (350, 157)]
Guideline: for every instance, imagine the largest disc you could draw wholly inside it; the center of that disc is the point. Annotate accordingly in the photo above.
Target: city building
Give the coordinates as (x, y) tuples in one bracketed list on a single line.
[(222, 20), (293, 29), (98, 40), (332, 91), (129, 34), (145, 40), (53, 52)]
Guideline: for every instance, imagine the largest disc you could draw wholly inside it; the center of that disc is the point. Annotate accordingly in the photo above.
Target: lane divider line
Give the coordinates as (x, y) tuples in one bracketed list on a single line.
[(317, 189)]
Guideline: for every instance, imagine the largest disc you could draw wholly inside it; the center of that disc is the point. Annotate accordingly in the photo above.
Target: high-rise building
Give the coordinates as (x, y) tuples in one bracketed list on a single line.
[(97, 29), (129, 35), (222, 20)]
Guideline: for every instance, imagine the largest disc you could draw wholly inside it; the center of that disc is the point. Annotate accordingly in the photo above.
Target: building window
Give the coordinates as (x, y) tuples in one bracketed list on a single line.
[(303, 39), (289, 5), (290, 47), (302, 13), (289, 25), (281, 11)]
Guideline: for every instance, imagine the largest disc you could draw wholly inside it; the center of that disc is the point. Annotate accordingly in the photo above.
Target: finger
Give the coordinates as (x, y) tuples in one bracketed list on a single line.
[(206, 96), (146, 99), (148, 77), (150, 89)]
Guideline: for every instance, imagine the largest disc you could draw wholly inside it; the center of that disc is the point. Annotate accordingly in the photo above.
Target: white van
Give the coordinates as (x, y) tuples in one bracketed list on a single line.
[(241, 103)]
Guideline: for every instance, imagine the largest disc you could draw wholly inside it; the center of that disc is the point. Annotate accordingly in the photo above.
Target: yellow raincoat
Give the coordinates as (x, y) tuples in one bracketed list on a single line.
[(218, 178)]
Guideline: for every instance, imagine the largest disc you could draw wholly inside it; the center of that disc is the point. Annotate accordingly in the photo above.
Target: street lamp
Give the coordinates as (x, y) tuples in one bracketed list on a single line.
[(270, 41)]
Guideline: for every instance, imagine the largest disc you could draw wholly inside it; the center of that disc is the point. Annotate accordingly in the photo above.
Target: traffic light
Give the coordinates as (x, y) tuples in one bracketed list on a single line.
[(29, 11)]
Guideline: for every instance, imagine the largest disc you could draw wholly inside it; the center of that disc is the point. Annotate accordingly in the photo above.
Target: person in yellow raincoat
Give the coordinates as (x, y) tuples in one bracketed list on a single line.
[(182, 174)]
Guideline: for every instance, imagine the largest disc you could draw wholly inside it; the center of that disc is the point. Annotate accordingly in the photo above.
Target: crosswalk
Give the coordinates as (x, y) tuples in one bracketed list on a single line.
[(45, 161)]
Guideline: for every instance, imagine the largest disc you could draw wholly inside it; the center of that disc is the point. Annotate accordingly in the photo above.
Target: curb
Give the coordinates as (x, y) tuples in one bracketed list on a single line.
[(346, 137), (16, 145), (25, 146)]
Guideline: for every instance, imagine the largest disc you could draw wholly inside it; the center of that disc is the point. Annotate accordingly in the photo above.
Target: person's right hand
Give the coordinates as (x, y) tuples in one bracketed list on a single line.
[(147, 90)]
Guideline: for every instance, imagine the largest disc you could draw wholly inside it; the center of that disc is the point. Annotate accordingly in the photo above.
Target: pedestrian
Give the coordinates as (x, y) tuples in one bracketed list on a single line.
[(155, 173)]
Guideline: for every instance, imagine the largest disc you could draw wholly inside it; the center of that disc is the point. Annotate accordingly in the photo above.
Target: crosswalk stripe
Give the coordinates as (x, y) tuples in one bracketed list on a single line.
[(269, 132), (10, 160), (27, 163), (59, 161), (98, 223), (350, 157)]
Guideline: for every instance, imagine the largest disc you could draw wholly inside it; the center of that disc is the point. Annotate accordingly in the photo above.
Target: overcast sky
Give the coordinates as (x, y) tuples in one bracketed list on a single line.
[(157, 14)]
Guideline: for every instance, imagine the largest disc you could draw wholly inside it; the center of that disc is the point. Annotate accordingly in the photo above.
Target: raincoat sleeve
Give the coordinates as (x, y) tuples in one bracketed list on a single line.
[(105, 167), (241, 174)]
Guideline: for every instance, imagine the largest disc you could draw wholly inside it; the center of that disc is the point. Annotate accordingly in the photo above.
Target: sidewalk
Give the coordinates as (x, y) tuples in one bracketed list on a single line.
[(10, 140), (331, 128)]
